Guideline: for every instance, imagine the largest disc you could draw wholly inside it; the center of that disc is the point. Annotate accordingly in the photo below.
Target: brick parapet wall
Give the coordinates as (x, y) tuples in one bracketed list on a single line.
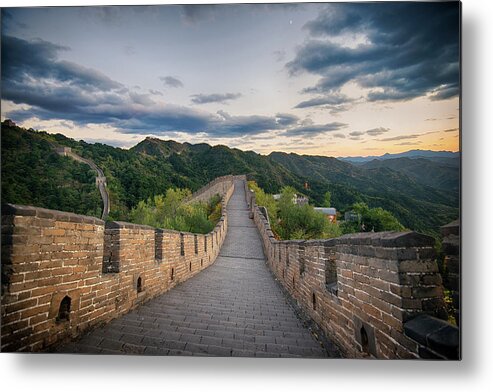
[(382, 282), (105, 270), (452, 263), (217, 186)]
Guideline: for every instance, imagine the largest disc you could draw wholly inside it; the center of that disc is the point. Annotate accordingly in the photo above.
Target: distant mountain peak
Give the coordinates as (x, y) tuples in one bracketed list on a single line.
[(158, 147), (412, 154), (422, 193)]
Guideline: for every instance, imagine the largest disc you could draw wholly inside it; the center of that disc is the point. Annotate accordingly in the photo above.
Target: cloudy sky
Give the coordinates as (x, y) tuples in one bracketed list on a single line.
[(335, 79)]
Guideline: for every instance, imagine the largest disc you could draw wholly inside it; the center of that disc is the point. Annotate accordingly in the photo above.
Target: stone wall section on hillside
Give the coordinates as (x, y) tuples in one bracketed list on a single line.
[(363, 289), (64, 273), (100, 177), (217, 186)]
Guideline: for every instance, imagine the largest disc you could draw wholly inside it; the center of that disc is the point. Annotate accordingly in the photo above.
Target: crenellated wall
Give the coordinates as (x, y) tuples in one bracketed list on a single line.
[(373, 294), (217, 186), (64, 273), (451, 249)]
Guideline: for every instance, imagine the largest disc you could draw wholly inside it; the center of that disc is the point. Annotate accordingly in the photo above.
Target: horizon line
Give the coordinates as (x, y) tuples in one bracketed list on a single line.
[(94, 141)]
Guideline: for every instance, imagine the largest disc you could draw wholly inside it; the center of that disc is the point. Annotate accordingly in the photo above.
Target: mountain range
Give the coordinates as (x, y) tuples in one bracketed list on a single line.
[(441, 173), (421, 193), (411, 154)]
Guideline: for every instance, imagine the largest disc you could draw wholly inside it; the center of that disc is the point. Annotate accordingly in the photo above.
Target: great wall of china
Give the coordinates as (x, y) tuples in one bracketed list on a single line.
[(55, 263), (371, 294), (100, 177)]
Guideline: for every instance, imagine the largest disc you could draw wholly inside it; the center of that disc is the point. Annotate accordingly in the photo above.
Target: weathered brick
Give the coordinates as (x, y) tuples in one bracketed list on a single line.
[(418, 266), (369, 287), (21, 305), (34, 311), (372, 311), (54, 232), (361, 295), (427, 292)]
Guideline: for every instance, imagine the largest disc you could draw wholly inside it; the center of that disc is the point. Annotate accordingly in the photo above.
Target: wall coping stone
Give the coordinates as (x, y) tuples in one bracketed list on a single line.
[(439, 335), (128, 225), (385, 239), (433, 338), (104, 243), (9, 209), (209, 185), (450, 228), (22, 210)]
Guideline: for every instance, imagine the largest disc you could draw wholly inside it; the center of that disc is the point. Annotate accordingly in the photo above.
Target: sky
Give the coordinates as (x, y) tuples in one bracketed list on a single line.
[(333, 79)]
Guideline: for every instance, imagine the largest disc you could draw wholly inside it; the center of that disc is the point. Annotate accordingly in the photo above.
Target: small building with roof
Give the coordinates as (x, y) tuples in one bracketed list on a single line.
[(329, 212), (300, 200)]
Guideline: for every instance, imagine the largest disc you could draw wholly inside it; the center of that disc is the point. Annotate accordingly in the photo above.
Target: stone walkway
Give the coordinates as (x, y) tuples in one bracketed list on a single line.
[(233, 308)]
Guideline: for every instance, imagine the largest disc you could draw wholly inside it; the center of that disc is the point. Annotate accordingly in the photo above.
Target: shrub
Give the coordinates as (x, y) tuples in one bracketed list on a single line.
[(168, 211), (265, 200), (290, 221), (372, 219)]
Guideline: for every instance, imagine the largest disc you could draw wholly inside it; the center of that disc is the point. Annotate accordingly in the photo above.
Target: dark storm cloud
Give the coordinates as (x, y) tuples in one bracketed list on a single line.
[(403, 137), (333, 79), (196, 13), (33, 74), (333, 100), (356, 135), (239, 125), (160, 119), (141, 99), (286, 119), (200, 99), (38, 59), (377, 131), (412, 50), (156, 92), (335, 21), (313, 130), (339, 135), (8, 20), (6, 15), (171, 81)]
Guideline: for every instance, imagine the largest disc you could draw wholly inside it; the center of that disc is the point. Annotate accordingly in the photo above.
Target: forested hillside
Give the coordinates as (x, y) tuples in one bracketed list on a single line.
[(32, 173), (442, 174), (417, 206)]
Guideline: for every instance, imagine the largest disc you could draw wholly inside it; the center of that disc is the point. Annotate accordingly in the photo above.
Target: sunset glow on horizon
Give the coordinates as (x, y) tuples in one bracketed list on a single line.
[(333, 79)]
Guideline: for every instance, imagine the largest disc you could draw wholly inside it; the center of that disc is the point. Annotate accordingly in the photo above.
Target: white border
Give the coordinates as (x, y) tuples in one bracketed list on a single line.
[(144, 374)]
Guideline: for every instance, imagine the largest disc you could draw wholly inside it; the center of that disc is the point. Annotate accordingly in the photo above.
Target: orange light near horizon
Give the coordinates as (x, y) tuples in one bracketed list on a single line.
[(444, 140)]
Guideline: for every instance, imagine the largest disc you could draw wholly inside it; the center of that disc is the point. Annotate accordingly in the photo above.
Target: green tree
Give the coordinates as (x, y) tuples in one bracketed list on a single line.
[(265, 200), (291, 221), (372, 219), (326, 202), (169, 211), (302, 222)]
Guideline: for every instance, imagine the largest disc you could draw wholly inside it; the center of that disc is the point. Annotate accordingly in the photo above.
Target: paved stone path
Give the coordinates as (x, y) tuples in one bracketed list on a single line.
[(232, 308)]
